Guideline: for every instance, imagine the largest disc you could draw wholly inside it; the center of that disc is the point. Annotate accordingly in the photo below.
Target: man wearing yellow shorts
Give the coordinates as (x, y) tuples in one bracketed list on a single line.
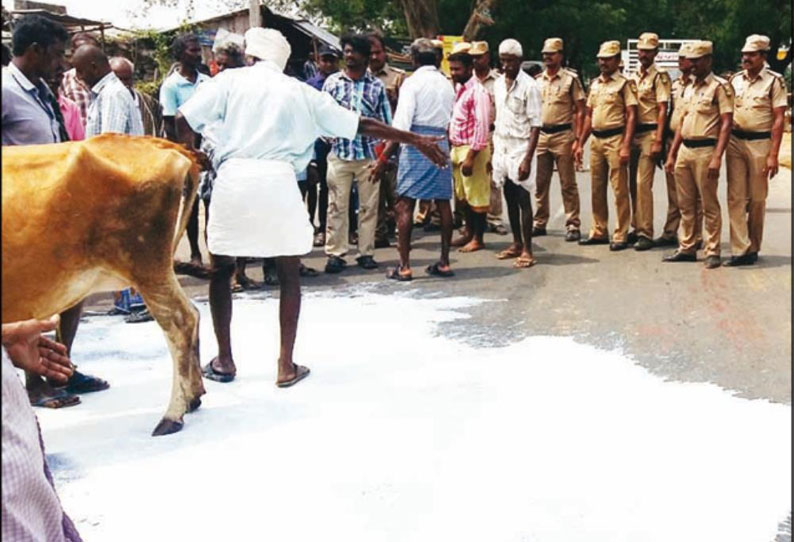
[(470, 154)]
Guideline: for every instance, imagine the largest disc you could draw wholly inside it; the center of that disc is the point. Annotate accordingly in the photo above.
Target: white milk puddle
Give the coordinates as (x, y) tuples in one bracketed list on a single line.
[(399, 435)]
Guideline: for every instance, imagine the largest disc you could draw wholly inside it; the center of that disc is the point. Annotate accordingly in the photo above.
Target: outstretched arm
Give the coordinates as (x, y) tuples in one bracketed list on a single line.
[(424, 144)]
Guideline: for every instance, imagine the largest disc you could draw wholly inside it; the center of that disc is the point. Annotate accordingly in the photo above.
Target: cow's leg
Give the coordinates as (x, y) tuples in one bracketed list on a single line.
[(179, 320)]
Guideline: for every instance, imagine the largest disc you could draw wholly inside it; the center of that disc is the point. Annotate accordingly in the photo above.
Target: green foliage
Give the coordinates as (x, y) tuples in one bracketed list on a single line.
[(159, 45)]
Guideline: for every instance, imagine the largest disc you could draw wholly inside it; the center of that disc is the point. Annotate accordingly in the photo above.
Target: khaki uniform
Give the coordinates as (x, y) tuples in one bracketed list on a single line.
[(392, 79), (609, 98), (746, 158), (710, 98), (494, 216), (560, 94), (653, 89)]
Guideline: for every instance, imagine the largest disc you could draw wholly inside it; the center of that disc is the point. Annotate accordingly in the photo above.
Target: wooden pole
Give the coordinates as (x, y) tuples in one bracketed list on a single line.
[(254, 14)]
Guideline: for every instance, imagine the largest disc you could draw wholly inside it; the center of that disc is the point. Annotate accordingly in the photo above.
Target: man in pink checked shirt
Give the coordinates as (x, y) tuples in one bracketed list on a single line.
[(470, 154)]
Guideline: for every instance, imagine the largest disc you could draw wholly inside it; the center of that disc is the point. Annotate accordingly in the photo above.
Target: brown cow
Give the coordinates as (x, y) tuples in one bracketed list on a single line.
[(96, 215)]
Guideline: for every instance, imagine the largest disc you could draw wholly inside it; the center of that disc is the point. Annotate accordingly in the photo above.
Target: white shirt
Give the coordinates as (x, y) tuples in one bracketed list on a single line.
[(518, 108), (112, 109), (258, 112), (426, 99)]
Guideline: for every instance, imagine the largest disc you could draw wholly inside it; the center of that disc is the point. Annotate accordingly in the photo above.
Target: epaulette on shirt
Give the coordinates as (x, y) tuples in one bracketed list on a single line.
[(725, 84), (664, 76), (398, 70)]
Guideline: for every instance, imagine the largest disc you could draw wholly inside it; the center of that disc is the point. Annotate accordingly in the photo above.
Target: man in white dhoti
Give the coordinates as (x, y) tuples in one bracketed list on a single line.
[(266, 124), (517, 128)]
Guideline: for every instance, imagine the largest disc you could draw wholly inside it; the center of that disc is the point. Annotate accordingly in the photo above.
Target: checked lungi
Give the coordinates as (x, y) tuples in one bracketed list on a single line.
[(417, 176)]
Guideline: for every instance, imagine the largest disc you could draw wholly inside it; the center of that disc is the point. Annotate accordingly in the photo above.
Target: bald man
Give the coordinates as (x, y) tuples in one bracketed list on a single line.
[(149, 107), (112, 106)]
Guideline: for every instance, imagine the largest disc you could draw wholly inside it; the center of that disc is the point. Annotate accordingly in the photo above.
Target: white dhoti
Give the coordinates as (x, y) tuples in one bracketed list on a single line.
[(507, 156), (257, 211)]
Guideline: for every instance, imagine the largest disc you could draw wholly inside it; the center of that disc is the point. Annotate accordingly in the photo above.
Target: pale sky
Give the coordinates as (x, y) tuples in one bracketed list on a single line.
[(128, 13)]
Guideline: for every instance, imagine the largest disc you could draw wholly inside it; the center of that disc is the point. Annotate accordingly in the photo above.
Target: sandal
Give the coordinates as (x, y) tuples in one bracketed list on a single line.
[(510, 252), (301, 372), (522, 262), (209, 372), (395, 274), (307, 271), (82, 383), (61, 400), (436, 271)]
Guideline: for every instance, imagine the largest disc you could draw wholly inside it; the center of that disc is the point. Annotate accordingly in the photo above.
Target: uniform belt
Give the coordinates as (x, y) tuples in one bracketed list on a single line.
[(751, 136), (696, 143), (607, 133), (555, 129), (642, 128)]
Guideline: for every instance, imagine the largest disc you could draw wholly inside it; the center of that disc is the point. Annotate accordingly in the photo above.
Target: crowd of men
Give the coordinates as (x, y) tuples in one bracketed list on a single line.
[(363, 146)]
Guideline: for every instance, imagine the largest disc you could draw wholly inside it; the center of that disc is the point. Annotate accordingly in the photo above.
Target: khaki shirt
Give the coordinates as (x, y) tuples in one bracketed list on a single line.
[(653, 88), (756, 99), (392, 79), (488, 82), (678, 95), (609, 97), (709, 99), (560, 93)]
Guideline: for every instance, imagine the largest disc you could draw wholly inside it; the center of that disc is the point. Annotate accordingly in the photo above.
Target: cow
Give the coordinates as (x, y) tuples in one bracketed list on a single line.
[(101, 214)]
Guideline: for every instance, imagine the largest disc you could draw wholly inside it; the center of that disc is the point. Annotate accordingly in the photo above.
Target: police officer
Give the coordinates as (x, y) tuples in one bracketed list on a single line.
[(562, 116), (392, 78), (653, 95), (610, 117), (704, 132), (759, 107), (681, 88)]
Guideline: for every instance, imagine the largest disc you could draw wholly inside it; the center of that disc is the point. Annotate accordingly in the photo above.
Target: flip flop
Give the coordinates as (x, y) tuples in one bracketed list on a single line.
[(62, 400), (436, 271), (307, 271), (211, 374), (300, 374), (82, 383), (394, 274), (237, 287), (524, 262), (508, 253)]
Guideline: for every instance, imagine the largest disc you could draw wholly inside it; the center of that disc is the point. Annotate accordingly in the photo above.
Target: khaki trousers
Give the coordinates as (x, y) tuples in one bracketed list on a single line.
[(341, 174), (605, 167), (673, 220), (642, 167), (747, 191), (691, 181), (556, 149)]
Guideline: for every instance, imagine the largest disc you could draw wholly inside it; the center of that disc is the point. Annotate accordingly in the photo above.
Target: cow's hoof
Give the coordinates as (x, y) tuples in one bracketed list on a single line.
[(194, 404), (166, 427)]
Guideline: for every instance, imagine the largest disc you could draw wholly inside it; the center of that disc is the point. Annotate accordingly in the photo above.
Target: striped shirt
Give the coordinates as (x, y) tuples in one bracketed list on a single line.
[(74, 89), (112, 109), (471, 116), (366, 96)]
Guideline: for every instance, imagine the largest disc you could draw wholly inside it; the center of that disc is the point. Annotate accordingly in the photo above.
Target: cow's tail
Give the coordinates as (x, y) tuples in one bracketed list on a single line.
[(189, 194)]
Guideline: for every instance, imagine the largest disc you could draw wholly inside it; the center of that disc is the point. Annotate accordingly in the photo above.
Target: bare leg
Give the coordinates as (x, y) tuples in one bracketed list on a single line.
[(514, 214), (476, 226), (289, 310), (405, 210), (193, 234), (445, 210), (221, 308)]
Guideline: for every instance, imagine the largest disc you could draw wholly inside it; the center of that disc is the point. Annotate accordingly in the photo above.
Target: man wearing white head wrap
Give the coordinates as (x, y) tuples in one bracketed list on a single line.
[(266, 124), (517, 127), (511, 47), (268, 44)]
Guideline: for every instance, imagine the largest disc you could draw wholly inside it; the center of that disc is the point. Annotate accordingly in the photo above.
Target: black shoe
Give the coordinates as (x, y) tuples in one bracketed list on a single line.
[(572, 235), (367, 262), (382, 243), (665, 241), (593, 241), (335, 264), (753, 256), (679, 256), (538, 232), (712, 262), (643, 243), (736, 261), (632, 237), (615, 247)]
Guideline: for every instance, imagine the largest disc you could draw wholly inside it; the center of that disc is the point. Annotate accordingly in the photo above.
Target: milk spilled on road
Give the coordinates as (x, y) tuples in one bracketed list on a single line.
[(401, 434)]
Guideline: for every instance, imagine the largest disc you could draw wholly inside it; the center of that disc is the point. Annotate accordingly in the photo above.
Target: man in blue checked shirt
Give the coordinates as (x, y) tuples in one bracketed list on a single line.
[(351, 159)]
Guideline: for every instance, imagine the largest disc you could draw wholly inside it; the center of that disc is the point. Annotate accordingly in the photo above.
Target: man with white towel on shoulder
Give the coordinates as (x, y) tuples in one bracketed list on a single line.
[(266, 123)]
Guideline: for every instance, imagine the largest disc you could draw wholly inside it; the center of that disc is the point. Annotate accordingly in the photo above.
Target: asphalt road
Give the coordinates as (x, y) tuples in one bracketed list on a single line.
[(729, 326)]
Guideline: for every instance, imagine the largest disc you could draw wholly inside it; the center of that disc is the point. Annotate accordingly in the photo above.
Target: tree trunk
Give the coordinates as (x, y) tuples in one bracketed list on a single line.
[(421, 17), (480, 17)]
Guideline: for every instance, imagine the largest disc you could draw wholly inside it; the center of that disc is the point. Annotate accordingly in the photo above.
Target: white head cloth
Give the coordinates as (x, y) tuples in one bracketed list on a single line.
[(267, 44), (511, 47)]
